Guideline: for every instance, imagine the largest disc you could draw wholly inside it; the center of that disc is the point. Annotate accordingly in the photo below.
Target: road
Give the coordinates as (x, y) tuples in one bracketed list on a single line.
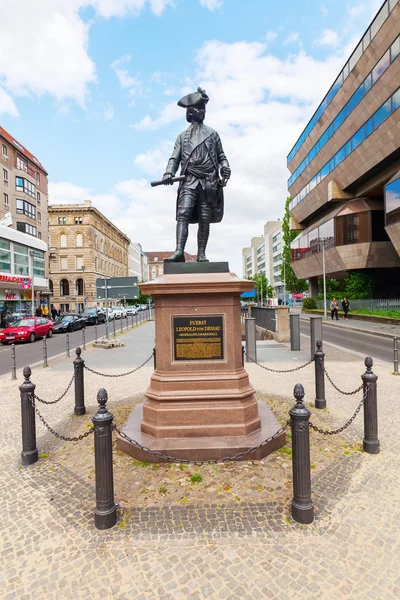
[(28, 354), (365, 343)]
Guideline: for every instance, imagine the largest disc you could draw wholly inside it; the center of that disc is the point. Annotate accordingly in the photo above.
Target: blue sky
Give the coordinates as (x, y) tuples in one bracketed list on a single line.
[(90, 87)]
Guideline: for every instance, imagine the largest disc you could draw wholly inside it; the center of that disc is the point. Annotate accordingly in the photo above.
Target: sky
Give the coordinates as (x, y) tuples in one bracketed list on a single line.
[(90, 87)]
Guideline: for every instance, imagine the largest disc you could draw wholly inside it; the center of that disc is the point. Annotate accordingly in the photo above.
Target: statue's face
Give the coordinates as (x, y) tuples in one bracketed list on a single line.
[(196, 115)]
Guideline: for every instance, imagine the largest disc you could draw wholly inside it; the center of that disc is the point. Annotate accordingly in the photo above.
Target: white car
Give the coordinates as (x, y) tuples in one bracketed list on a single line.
[(124, 312), (117, 312), (131, 311), (111, 315)]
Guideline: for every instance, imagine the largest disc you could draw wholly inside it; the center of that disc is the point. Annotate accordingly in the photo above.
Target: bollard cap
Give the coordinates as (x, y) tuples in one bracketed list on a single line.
[(102, 398), (298, 393), (102, 417), (27, 373), (368, 363), (319, 344), (78, 351)]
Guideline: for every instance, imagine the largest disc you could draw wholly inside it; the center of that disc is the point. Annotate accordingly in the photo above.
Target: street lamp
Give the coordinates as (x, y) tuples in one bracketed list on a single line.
[(324, 277)]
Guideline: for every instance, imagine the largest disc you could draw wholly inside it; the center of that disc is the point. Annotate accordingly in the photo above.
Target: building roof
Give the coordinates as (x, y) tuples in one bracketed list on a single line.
[(160, 256), (21, 148)]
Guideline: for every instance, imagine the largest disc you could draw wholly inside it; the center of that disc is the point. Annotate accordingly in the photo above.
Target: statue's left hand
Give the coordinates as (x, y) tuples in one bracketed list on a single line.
[(225, 172)]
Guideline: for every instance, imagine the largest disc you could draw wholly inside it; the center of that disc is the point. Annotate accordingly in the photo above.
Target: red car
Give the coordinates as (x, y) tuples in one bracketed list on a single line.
[(26, 329)]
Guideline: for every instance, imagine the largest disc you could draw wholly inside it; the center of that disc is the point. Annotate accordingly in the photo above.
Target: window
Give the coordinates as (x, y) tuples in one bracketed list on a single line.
[(79, 262), (5, 176), (37, 177), (63, 240), (39, 235), (381, 67), (38, 263), (21, 260), (78, 220), (5, 200), (79, 287), (352, 229), (382, 114), (395, 49), (39, 217), (392, 202), (4, 151), (62, 220), (23, 185), (51, 288), (26, 228), (22, 164), (79, 240), (26, 208), (5, 256), (63, 263), (64, 287), (38, 197)]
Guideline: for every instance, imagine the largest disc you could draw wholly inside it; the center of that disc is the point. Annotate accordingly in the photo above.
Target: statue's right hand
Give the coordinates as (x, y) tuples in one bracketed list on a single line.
[(167, 179)]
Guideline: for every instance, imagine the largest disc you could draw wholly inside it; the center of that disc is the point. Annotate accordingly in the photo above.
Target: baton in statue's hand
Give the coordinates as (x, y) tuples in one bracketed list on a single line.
[(164, 181)]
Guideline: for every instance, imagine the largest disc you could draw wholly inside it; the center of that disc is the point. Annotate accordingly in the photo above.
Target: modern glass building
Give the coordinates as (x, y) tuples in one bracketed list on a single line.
[(345, 166)]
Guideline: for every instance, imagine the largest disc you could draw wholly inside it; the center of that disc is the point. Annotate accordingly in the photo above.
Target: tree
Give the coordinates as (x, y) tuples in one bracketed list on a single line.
[(293, 285), (141, 299), (264, 290)]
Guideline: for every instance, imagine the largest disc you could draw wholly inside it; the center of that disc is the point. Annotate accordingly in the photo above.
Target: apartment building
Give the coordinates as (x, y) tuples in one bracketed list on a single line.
[(138, 263), (264, 255), (84, 246), (345, 166), (23, 188), (156, 262)]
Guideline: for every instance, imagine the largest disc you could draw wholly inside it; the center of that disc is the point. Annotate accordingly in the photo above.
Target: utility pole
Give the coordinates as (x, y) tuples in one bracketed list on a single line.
[(106, 299), (324, 278)]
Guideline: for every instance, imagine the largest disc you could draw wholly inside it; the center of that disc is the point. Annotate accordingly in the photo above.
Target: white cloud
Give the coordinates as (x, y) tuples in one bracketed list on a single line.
[(170, 113), (270, 36), (324, 10), (211, 4), (109, 112), (126, 80), (291, 38), (121, 8), (328, 37), (7, 105)]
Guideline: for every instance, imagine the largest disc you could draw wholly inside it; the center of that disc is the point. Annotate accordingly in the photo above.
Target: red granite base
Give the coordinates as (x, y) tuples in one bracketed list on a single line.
[(201, 448)]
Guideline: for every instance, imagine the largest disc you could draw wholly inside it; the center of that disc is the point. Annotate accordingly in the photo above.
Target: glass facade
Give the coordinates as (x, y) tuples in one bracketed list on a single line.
[(5, 256), (392, 202), (376, 24), (369, 127), (389, 56)]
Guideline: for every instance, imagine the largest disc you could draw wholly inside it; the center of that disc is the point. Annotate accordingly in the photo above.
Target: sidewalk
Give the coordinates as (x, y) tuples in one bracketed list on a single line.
[(50, 549), (381, 329)]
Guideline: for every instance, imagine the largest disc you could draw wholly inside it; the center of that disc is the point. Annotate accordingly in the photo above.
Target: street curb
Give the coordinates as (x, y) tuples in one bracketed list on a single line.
[(358, 329)]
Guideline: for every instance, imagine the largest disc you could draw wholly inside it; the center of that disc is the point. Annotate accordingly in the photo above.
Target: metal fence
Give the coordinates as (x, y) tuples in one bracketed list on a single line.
[(265, 317), (372, 304)]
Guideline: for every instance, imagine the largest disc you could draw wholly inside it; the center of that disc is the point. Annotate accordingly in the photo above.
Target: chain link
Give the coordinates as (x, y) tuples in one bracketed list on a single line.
[(184, 461), (335, 386), (346, 425), (58, 435), (120, 374), (58, 399), (279, 370)]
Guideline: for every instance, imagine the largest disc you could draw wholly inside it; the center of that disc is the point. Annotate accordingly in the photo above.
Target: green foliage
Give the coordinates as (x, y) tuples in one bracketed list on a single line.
[(264, 290), (392, 314), (309, 303), (196, 478), (359, 285), (141, 299), (293, 285)]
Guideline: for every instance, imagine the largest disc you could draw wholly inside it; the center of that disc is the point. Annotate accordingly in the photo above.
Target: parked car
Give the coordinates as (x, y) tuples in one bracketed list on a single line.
[(131, 310), (6, 318), (69, 323), (111, 315), (93, 316), (142, 306), (27, 330), (117, 312), (124, 312)]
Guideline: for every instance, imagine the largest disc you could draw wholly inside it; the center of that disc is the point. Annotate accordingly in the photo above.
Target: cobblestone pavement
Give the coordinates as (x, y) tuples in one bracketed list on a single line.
[(51, 550)]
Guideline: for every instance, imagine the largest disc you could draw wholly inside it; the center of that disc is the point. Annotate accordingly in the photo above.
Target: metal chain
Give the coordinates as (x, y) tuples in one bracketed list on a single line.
[(346, 425), (279, 370), (58, 435), (335, 386), (58, 399), (119, 374), (184, 461)]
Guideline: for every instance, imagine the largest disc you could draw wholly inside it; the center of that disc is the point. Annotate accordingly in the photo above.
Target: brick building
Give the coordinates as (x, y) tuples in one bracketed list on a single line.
[(84, 245), (344, 159), (155, 262)]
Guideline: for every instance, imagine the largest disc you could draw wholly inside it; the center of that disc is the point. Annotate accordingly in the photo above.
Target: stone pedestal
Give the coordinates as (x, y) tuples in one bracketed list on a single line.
[(199, 393)]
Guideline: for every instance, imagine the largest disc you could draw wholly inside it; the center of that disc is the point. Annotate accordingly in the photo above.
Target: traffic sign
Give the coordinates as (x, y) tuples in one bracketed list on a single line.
[(117, 288)]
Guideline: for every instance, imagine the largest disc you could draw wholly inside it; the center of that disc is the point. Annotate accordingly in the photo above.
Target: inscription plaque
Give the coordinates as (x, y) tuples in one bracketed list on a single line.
[(198, 338)]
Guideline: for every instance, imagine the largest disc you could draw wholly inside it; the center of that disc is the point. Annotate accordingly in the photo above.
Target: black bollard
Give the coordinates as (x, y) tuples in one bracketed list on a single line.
[(371, 443), (67, 342), (105, 514), (319, 355), (79, 364), (45, 353), (395, 356), (302, 505), (29, 454), (155, 358), (13, 363)]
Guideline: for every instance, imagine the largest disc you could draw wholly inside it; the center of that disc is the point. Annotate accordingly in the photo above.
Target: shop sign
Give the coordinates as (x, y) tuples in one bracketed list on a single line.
[(24, 281)]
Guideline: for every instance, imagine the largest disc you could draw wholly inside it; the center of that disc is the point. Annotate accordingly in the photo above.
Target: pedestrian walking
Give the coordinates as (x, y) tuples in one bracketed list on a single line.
[(38, 312), (346, 308), (53, 313), (334, 309)]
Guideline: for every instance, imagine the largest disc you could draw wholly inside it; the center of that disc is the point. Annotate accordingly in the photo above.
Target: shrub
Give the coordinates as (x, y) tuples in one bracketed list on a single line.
[(309, 303)]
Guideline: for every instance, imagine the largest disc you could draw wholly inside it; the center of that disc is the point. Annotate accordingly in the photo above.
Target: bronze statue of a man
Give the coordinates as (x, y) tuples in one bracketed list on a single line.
[(204, 172)]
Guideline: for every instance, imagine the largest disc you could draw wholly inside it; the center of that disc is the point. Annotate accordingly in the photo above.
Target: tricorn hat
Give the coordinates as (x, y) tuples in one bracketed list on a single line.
[(195, 99)]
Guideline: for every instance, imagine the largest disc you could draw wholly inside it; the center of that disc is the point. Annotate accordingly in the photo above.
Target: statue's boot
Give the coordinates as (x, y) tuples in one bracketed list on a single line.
[(181, 237), (202, 239)]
